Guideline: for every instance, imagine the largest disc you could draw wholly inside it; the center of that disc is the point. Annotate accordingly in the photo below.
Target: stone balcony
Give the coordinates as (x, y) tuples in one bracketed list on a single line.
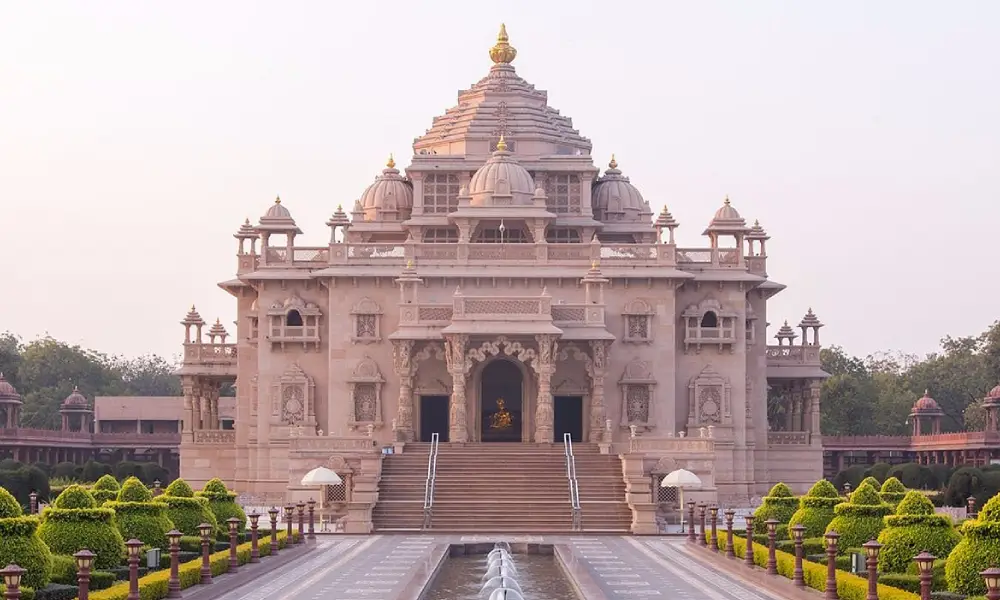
[(24, 436), (530, 307), (942, 441), (788, 438), (201, 358)]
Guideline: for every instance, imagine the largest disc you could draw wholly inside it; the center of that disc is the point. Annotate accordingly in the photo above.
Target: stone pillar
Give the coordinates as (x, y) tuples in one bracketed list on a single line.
[(545, 367), (213, 406), (402, 354), (814, 425), (206, 406), (458, 366), (598, 368), (65, 422)]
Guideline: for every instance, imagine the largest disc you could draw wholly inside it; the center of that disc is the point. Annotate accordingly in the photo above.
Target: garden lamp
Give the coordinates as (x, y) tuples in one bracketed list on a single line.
[(831, 539), (254, 517), (872, 548), (772, 526), (12, 576), (233, 523), (174, 537), (798, 532), (204, 529), (925, 562), (134, 547), (84, 559), (991, 577)]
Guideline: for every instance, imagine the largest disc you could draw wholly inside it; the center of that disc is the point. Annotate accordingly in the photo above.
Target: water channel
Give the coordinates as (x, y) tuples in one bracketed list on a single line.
[(539, 576)]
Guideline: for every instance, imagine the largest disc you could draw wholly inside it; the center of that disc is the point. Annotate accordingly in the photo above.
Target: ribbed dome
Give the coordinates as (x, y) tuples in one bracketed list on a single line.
[(7, 391), (727, 213), (501, 176), (76, 400), (390, 193), (616, 199), (925, 405), (277, 211)]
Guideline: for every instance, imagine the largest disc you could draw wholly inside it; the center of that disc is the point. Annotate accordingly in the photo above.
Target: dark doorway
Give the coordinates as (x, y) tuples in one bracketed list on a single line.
[(500, 402), (568, 417), (433, 417)]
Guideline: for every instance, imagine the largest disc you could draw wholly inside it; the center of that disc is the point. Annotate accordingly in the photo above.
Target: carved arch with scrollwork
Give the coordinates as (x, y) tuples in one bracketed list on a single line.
[(293, 398), (366, 384)]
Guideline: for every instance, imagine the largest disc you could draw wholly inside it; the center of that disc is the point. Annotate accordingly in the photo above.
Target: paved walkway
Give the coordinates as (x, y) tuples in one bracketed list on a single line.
[(385, 568)]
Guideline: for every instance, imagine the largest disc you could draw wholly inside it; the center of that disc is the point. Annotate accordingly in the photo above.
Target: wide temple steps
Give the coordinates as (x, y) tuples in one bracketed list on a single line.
[(502, 488)]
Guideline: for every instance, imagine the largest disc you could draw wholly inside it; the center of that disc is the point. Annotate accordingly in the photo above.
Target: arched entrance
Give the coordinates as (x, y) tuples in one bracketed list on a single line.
[(501, 401)]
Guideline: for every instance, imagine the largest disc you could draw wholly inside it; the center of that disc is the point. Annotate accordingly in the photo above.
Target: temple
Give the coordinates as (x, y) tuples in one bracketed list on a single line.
[(503, 291)]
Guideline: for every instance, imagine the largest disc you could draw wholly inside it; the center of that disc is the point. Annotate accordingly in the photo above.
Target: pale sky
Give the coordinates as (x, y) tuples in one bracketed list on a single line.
[(135, 137)]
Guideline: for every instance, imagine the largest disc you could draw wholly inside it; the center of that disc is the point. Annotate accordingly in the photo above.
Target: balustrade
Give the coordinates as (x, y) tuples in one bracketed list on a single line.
[(793, 355), (209, 353), (788, 438), (50, 436)]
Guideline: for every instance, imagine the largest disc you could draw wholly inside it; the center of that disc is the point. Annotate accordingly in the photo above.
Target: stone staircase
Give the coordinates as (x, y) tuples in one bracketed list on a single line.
[(502, 488)]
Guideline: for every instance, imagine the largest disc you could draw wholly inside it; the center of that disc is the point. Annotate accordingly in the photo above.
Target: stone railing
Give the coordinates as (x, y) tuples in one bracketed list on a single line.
[(315, 257), (474, 307), (209, 353), (671, 444), (793, 355), (955, 441), (569, 314), (26, 435), (473, 253), (215, 437), (866, 442), (334, 443), (788, 438)]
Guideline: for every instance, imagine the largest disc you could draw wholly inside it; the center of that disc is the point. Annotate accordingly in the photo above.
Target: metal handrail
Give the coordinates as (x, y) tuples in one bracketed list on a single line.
[(429, 483), (574, 486)]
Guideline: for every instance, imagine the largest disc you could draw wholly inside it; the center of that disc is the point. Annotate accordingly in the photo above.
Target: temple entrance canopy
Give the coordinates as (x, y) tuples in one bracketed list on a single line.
[(501, 402)]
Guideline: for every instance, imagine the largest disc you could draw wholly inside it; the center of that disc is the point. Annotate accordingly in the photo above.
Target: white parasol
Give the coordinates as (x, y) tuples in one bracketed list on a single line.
[(321, 476), (682, 479)]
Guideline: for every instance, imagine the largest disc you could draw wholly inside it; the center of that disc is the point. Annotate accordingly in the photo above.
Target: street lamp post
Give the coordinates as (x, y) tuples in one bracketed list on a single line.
[(312, 519), (234, 560), (798, 575), (714, 512), (970, 507), (772, 538), (748, 557), (254, 550), (991, 577), (925, 568), (12, 575), (691, 534), (730, 550), (702, 507), (289, 520), (134, 548), (830, 593), (174, 583), (33, 502), (273, 513), (84, 560), (205, 530), (872, 548), (302, 521)]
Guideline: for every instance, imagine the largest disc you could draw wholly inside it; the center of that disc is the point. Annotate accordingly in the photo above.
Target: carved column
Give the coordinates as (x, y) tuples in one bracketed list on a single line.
[(213, 406), (402, 354), (545, 367), (797, 405), (598, 368), (455, 346), (206, 406), (814, 425)]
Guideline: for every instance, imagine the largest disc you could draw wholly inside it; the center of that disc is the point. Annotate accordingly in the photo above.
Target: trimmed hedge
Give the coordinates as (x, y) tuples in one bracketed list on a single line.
[(892, 492), (779, 504), (185, 510), (74, 522), (860, 519), (20, 544), (154, 585), (913, 529), (816, 509), (849, 587), (137, 516), (105, 489), (978, 550), (222, 503)]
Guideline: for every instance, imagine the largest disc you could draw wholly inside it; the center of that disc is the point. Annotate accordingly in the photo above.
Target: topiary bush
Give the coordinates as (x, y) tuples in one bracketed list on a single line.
[(20, 544), (779, 504), (815, 509), (222, 503), (138, 516), (875, 483), (75, 522), (185, 510), (859, 519), (892, 492), (978, 550), (911, 530), (105, 489)]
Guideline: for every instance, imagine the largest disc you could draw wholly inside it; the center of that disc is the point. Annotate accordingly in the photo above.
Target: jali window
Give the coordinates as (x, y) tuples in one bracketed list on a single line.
[(441, 193), (366, 314), (638, 322), (441, 235), (562, 235), (563, 193)]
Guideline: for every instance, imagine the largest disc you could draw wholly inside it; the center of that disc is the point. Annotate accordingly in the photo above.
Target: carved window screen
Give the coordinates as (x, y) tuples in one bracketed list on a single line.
[(563, 193), (441, 193), (293, 399), (666, 495), (638, 316), (638, 387), (562, 235), (441, 235), (709, 400), (366, 384), (367, 316)]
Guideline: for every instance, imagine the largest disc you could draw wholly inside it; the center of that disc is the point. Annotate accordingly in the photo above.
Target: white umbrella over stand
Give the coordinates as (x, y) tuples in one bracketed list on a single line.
[(322, 476), (682, 479)]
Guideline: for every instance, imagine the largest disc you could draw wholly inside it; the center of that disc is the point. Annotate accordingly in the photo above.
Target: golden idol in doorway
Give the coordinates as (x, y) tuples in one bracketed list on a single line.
[(502, 418)]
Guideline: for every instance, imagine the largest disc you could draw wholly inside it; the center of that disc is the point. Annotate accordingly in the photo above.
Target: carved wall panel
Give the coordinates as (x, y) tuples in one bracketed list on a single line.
[(293, 398), (366, 394), (709, 399), (638, 386), (638, 315), (367, 322)]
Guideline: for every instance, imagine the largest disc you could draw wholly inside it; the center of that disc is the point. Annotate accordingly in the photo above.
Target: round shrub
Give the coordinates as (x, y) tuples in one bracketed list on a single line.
[(892, 492), (74, 522), (222, 503), (913, 529), (106, 488), (978, 550), (185, 510), (875, 483), (859, 519), (20, 544), (816, 509), (138, 516), (779, 504)]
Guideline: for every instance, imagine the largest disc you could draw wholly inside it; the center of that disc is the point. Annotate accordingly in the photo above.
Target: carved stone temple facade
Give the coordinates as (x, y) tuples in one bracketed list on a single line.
[(502, 288)]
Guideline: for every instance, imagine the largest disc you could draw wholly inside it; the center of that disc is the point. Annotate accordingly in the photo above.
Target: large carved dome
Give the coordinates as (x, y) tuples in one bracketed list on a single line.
[(502, 177), (616, 199), (389, 197)]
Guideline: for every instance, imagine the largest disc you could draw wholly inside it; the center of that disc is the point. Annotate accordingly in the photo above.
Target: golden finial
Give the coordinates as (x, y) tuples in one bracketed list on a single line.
[(277, 200), (340, 208), (502, 53), (501, 145), (409, 265), (727, 200), (593, 264), (756, 222), (392, 163), (614, 163)]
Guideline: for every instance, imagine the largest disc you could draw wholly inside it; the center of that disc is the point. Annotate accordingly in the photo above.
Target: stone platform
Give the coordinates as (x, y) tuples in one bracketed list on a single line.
[(397, 567)]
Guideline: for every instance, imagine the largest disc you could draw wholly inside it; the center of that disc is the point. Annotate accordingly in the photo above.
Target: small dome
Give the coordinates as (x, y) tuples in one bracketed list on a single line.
[(277, 211), (501, 176), (925, 405), (616, 199), (727, 220), (75, 400), (390, 193), (727, 213), (277, 219), (7, 391)]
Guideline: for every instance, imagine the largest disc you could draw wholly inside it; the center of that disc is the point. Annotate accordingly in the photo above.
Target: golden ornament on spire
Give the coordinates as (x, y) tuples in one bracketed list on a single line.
[(409, 265), (502, 53), (391, 163), (727, 200), (593, 265), (614, 163), (277, 199), (501, 145)]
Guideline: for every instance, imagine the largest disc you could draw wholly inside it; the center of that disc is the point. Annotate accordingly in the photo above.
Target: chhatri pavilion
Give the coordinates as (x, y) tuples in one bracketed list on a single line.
[(502, 288)]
